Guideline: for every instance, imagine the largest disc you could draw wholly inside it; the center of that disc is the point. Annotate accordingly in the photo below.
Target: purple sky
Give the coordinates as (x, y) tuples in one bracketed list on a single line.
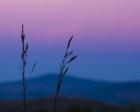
[(107, 36)]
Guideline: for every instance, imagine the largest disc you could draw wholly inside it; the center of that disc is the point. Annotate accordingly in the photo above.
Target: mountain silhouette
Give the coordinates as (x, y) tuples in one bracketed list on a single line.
[(120, 93)]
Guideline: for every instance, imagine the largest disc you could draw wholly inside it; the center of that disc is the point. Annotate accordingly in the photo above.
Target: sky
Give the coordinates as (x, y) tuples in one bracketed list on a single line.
[(106, 37)]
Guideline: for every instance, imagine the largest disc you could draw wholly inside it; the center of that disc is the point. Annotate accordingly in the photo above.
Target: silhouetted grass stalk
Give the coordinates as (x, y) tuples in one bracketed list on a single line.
[(33, 69), (24, 52), (64, 67)]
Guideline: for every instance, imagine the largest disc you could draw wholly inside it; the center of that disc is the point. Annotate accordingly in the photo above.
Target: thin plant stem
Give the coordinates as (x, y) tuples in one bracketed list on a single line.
[(64, 67), (24, 52)]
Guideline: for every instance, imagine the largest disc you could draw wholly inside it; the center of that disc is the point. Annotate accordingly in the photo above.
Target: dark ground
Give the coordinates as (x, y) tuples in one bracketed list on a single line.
[(64, 105)]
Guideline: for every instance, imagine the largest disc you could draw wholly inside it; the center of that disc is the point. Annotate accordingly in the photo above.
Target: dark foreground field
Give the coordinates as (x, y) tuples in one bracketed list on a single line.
[(65, 105)]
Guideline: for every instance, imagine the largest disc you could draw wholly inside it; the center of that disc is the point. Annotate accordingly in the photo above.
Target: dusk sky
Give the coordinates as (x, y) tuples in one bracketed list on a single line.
[(107, 37)]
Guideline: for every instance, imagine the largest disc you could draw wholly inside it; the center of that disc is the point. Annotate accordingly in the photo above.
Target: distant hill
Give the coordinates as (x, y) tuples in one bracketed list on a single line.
[(127, 93)]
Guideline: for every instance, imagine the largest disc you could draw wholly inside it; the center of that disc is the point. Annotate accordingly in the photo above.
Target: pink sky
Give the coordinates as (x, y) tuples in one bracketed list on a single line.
[(97, 21), (107, 35)]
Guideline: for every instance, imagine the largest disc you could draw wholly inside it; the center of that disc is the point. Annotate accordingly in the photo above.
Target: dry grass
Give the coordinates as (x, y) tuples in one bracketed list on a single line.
[(24, 52), (64, 67)]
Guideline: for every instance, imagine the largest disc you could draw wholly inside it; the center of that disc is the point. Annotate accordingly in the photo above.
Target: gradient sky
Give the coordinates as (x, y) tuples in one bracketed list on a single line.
[(107, 37)]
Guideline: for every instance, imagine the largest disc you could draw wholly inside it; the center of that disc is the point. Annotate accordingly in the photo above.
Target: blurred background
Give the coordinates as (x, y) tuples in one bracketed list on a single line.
[(106, 37)]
